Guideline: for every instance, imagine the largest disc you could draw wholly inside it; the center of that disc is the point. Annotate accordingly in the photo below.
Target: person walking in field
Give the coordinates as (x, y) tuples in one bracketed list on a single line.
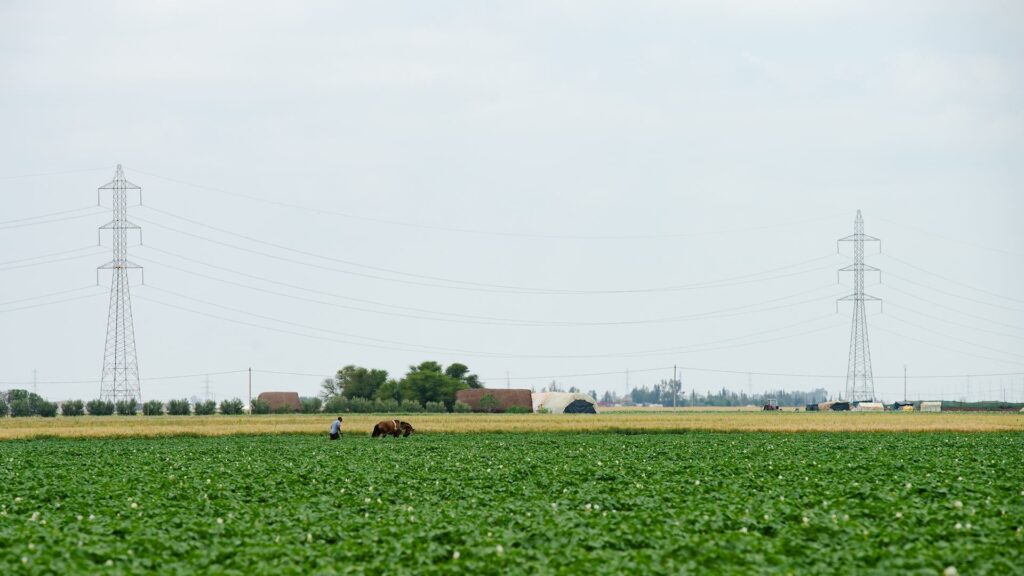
[(336, 429)]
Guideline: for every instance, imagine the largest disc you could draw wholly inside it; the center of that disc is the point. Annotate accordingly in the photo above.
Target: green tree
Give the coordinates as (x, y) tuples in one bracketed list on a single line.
[(461, 371), (329, 388), (429, 383), (232, 406), (358, 382), (390, 390), (72, 408)]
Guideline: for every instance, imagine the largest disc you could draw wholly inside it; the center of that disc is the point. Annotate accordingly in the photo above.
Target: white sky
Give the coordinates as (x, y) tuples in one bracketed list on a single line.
[(558, 145)]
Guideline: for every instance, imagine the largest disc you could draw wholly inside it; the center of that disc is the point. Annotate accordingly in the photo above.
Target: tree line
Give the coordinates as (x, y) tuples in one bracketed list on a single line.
[(664, 392), (428, 386)]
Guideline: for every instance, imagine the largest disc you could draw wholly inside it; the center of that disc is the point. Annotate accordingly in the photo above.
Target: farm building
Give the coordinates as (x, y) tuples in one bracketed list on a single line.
[(564, 403), (869, 407), (279, 399), (503, 399), (931, 406)]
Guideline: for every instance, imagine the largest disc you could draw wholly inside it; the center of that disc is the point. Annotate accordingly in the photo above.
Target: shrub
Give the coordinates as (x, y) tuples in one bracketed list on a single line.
[(100, 407), (385, 405), (127, 407), (206, 408), (179, 407), (260, 406), (3, 407), (46, 409), (72, 408), (337, 404), (311, 405), (518, 410), (284, 409), (436, 407), (20, 408), (361, 405), (153, 408), (543, 410), (410, 406), (488, 403), (233, 406), (462, 408)]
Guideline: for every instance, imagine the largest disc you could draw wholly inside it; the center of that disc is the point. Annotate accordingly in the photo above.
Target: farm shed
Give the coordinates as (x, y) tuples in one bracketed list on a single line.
[(840, 406), (505, 398), (279, 399), (564, 403), (869, 407), (931, 406)]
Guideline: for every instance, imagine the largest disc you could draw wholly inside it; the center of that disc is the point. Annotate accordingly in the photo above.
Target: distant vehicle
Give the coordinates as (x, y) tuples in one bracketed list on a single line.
[(811, 408), (772, 404)]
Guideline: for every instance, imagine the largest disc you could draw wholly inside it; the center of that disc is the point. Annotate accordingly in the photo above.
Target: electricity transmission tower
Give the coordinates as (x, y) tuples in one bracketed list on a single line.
[(860, 384), (120, 379)]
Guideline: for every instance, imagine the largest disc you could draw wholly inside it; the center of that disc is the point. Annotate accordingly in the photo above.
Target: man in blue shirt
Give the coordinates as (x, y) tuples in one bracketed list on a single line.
[(336, 429)]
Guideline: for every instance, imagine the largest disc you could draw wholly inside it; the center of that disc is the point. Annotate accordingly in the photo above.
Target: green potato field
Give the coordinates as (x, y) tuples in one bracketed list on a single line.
[(539, 503)]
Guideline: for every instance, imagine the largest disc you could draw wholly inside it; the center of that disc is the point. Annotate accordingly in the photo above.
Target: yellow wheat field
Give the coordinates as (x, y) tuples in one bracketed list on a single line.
[(362, 424)]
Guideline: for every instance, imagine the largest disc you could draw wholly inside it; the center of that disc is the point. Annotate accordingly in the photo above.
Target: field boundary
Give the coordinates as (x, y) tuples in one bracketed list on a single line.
[(624, 423)]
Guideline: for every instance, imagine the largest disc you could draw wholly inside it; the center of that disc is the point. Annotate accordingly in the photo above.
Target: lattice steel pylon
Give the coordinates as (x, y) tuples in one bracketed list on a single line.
[(860, 383), (120, 379)]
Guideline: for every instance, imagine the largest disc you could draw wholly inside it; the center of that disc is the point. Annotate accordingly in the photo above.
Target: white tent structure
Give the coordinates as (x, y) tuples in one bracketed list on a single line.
[(564, 403)]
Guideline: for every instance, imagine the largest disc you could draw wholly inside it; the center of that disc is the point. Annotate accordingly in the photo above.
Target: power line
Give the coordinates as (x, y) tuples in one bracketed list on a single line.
[(951, 309), (941, 291), (479, 320), (482, 232), (947, 348), (49, 215), (49, 295), (951, 281), (60, 173), (50, 221), (955, 323), (174, 377), (954, 240), (49, 255), (410, 347), (968, 342), (470, 285), (32, 264), (50, 303)]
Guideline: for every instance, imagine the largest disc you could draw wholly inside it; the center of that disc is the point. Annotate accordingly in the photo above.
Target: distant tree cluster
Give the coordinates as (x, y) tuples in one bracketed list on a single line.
[(428, 386), (20, 403), (662, 393)]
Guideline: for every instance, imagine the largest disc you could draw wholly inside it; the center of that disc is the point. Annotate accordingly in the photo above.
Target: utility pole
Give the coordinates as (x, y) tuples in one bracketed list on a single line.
[(250, 390), (206, 387), (904, 383), (860, 383), (35, 381), (675, 386), (120, 376)]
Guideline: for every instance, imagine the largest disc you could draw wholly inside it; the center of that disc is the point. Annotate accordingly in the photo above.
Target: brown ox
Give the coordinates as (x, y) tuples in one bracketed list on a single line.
[(392, 427)]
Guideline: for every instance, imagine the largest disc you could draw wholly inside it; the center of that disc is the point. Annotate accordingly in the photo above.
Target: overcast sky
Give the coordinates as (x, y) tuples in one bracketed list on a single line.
[(533, 188)]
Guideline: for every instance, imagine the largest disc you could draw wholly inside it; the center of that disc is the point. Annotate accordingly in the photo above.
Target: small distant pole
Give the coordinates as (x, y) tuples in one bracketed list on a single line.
[(206, 387), (675, 386), (904, 383), (35, 381), (250, 390)]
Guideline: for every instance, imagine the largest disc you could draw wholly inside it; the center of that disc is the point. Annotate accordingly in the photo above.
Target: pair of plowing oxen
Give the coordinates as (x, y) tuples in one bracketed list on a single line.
[(392, 428)]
